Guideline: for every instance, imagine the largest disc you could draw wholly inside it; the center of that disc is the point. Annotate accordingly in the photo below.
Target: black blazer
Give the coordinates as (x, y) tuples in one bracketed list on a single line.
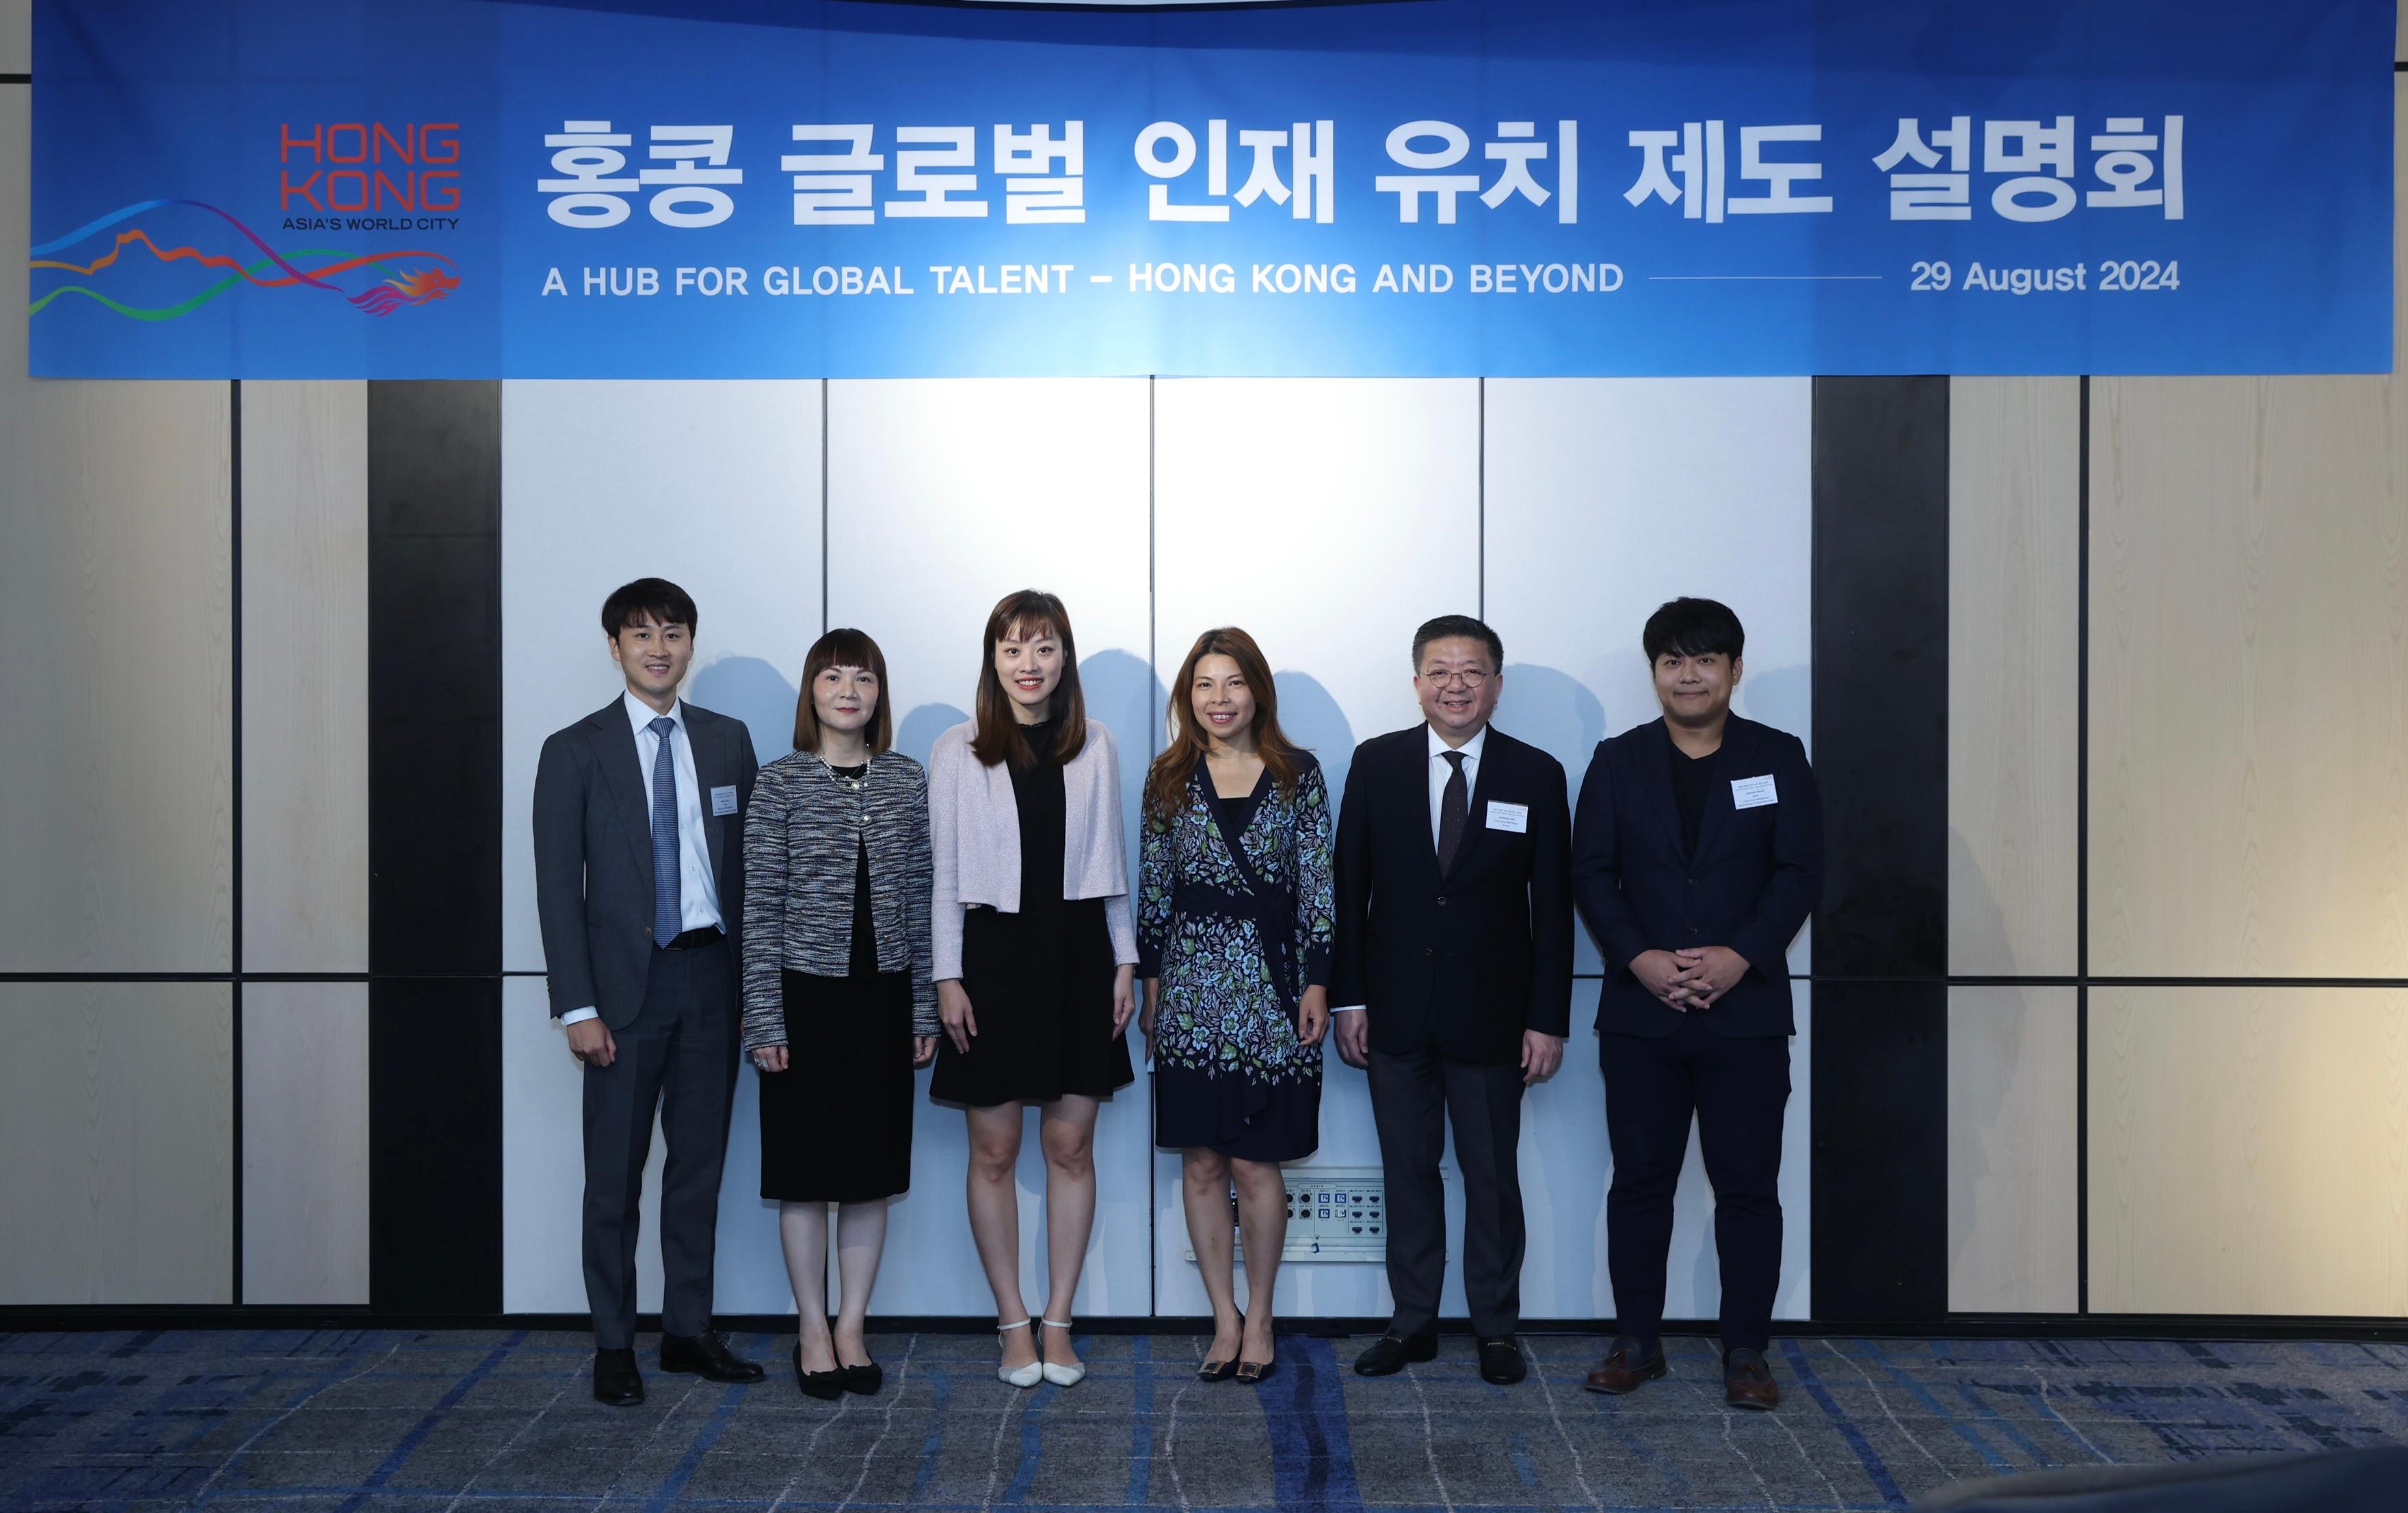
[(594, 853), (1473, 958), (1752, 884)]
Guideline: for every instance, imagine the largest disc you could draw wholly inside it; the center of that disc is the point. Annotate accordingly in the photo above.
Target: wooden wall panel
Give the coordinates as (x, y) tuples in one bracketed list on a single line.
[(2249, 1150), (116, 1110), (116, 607), (305, 1143), (2014, 674), (2013, 1172), (2249, 675), (304, 703)]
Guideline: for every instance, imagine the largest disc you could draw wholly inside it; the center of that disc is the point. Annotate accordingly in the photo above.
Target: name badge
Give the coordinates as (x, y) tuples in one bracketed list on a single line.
[(1504, 816), (723, 801), (1753, 792)]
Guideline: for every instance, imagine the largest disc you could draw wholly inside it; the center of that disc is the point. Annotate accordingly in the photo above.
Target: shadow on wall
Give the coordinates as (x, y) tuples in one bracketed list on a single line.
[(749, 690), (1312, 720), (1554, 711), (1781, 697), (1122, 692), (916, 733)]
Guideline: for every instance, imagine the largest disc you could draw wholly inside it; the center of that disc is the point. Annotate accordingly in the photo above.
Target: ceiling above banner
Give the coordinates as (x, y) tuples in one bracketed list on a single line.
[(329, 188)]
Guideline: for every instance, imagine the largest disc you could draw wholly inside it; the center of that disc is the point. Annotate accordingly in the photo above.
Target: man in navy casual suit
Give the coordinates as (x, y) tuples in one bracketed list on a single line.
[(1696, 853), (640, 886)]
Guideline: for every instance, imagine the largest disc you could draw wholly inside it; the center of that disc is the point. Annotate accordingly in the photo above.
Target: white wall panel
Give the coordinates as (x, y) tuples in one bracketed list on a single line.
[(116, 1107), (304, 677), (2015, 1180), (1328, 519), (15, 37), (2249, 1150), (2014, 658), (716, 487), (305, 1143), (116, 605), (712, 485), (943, 497), (1604, 498)]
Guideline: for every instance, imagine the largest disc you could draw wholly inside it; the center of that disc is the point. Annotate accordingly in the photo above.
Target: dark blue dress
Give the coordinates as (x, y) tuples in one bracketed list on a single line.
[(1235, 916)]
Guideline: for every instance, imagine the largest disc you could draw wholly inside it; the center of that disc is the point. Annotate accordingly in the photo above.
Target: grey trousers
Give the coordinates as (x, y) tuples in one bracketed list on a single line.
[(1413, 1097), (677, 1056)]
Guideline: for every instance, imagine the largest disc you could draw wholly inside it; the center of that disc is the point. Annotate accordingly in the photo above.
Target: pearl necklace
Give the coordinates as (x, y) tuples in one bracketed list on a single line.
[(854, 784)]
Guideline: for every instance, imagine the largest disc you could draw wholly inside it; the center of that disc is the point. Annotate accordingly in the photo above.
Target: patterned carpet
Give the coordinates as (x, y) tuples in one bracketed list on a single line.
[(488, 1421)]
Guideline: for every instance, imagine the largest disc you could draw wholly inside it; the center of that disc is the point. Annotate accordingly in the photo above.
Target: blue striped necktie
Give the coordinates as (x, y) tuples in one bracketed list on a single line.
[(667, 915)]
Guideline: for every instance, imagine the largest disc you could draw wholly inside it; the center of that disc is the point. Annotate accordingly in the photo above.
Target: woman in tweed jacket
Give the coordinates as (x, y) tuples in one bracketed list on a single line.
[(839, 1006)]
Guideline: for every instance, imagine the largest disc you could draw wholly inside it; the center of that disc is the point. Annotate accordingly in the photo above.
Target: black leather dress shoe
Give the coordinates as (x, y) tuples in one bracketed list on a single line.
[(1500, 1361), (1392, 1353), (706, 1355), (617, 1383)]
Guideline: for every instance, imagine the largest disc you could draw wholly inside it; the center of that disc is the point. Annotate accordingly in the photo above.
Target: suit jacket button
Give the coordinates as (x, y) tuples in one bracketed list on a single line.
[(1441, 901), (1427, 951)]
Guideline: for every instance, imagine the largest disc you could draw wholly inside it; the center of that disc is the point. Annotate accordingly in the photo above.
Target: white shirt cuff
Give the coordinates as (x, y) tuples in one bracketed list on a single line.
[(578, 1015), (1351, 1008)]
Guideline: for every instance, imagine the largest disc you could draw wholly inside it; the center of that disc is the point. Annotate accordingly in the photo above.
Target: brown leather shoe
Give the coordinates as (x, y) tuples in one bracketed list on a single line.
[(1623, 1370), (1748, 1382)]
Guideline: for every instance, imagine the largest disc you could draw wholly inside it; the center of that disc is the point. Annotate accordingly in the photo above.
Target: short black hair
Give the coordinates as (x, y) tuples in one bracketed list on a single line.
[(1692, 627), (1457, 624), (656, 599)]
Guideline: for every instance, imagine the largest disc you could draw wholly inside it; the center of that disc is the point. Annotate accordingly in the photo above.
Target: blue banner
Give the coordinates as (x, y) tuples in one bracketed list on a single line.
[(331, 188)]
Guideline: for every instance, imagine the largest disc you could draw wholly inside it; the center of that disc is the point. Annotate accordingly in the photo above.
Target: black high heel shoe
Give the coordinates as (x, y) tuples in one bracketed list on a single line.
[(864, 1381), (827, 1386), (1221, 1371), (1255, 1373)]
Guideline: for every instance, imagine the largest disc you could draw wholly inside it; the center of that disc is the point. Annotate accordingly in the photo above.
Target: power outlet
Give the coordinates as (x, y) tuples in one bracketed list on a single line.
[(1334, 1214)]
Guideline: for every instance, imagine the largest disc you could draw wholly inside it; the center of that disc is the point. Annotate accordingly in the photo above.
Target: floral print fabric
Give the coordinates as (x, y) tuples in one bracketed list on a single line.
[(1220, 1011)]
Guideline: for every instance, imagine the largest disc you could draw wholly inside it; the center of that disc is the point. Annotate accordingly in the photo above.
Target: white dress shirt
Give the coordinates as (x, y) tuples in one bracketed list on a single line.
[(697, 890), (1440, 771)]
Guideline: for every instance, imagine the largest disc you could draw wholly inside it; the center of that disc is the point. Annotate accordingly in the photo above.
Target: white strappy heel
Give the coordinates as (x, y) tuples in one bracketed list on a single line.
[(1060, 1376), (1028, 1375)]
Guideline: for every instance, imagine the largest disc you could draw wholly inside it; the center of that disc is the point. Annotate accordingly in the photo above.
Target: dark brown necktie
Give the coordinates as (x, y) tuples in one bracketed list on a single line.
[(1454, 808)]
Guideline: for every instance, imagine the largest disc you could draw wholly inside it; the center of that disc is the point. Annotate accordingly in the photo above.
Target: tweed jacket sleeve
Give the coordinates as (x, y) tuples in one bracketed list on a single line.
[(765, 880)]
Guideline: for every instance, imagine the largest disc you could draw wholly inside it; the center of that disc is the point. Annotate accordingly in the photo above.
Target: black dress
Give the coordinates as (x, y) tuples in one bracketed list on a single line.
[(836, 1125), (1040, 981)]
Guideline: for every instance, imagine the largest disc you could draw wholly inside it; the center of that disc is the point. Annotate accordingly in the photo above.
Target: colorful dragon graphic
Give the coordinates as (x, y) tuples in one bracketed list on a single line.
[(403, 277)]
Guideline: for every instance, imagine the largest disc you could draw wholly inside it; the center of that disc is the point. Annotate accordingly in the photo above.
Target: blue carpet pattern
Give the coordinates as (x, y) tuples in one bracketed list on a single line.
[(482, 1422)]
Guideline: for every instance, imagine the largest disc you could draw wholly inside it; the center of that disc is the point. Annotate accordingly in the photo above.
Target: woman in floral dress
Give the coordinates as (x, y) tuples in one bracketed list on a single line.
[(1234, 926)]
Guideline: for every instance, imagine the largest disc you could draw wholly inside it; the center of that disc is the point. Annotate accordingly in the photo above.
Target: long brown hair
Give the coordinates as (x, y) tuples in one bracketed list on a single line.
[(843, 647), (1027, 614), (1165, 782)]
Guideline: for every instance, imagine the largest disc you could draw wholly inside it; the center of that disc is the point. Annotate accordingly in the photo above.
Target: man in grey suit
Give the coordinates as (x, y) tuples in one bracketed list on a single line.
[(640, 883)]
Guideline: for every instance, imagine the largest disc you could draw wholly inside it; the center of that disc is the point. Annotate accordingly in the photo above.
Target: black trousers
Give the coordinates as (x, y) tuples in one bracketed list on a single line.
[(1736, 1087), (1413, 1096), (677, 1056)]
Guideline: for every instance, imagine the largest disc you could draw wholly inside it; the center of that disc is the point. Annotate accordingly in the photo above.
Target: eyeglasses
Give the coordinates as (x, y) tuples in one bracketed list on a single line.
[(1470, 680)]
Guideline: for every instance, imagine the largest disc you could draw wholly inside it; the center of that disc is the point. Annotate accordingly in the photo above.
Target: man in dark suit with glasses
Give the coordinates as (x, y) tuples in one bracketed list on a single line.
[(1455, 959)]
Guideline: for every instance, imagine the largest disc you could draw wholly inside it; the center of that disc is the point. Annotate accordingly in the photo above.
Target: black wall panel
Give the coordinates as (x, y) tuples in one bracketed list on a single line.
[(435, 817), (1881, 750)]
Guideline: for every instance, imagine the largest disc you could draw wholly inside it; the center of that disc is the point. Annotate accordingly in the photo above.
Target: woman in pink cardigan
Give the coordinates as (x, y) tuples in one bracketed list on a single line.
[(1035, 954)]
